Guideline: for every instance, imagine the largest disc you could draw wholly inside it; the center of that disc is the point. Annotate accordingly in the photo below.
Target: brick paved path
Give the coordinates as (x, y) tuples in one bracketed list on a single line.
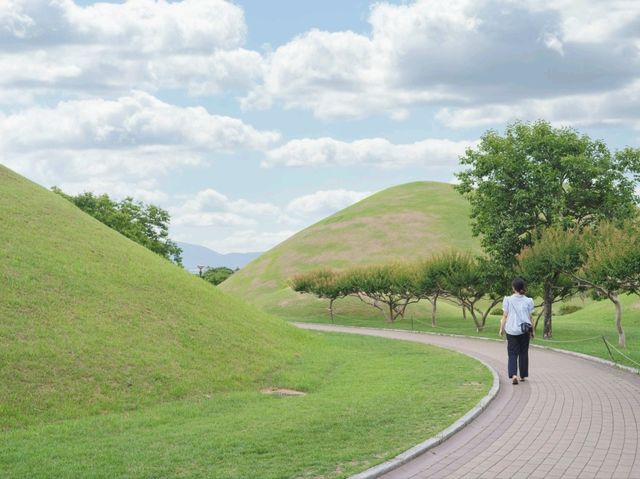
[(573, 418)]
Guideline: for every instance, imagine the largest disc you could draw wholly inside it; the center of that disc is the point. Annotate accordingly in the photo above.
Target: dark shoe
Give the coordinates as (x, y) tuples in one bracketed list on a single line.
[(515, 381), (522, 379)]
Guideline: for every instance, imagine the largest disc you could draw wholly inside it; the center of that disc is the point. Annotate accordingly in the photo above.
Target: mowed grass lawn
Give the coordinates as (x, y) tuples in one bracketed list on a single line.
[(580, 331), (367, 400)]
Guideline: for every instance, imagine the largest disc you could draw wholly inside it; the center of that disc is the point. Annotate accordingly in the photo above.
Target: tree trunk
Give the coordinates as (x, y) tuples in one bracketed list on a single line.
[(548, 305), (433, 311), (391, 311), (331, 308), (464, 312), (488, 311), (621, 339), (475, 319), (535, 326)]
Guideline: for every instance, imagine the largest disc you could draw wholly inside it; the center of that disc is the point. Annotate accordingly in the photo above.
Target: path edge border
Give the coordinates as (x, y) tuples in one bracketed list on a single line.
[(419, 449)]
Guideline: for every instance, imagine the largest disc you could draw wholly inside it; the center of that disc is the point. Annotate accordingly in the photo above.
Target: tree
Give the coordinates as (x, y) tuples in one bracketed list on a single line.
[(429, 282), (216, 276), (536, 176), (549, 264), (145, 224), (468, 280), (613, 265), (324, 283), (391, 285)]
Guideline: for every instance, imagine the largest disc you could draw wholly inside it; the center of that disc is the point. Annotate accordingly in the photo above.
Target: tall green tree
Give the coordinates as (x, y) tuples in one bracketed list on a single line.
[(535, 176), (145, 224)]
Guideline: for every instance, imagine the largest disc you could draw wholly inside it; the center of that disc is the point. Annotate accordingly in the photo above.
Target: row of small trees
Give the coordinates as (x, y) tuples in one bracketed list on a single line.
[(458, 277), (603, 260)]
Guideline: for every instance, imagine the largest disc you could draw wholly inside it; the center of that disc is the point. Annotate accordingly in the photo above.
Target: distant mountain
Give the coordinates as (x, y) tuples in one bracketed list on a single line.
[(194, 255)]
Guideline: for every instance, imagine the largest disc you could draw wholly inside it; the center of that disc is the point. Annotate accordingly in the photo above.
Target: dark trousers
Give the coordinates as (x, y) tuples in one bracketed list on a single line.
[(518, 350)]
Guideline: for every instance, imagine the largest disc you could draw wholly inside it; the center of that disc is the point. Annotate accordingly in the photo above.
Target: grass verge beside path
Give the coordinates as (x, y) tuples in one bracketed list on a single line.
[(581, 331), (367, 400)]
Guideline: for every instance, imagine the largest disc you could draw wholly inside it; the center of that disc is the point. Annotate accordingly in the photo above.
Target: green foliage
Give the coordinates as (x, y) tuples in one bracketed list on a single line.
[(216, 276), (468, 279), (146, 224), (497, 312), (390, 284), (548, 265), (324, 283), (613, 257), (453, 275), (537, 176), (555, 254)]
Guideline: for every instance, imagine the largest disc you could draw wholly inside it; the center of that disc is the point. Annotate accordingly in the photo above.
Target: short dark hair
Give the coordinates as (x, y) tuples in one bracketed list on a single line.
[(520, 285)]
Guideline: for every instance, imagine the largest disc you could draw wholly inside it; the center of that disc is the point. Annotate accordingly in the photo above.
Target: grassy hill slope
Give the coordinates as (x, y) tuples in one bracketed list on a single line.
[(116, 363), (92, 322), (404, 222)]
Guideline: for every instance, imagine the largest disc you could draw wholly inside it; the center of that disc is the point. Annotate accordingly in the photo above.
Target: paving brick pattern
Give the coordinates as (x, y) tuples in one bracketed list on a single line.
[(573, 418)]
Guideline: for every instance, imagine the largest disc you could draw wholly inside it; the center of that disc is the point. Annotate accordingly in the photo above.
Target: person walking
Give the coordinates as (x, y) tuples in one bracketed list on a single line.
[(516, 323)]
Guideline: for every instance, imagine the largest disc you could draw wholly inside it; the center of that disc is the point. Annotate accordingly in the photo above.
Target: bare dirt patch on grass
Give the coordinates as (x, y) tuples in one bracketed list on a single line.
[(282, 392)]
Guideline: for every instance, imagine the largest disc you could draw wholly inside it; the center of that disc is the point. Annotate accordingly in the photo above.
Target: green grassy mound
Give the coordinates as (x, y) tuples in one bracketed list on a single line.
[(116, 363), (405, 222), (91, 322)]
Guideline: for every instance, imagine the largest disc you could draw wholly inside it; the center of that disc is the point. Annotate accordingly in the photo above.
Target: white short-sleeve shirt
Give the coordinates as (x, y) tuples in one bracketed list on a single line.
[(518, 309)]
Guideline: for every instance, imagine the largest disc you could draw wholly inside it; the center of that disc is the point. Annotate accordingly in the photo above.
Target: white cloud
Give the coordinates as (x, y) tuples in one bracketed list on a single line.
[(212, 208), (194, 44), (212, 219), (132, 139), (328, 201), (372, 151), (336, 75), (128, 121), (228, 224), (618, 107), (224, 224), (592, 21), (456, 52)]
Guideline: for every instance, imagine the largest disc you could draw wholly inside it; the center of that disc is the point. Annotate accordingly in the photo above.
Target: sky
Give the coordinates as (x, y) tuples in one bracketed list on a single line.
[(251, 120)]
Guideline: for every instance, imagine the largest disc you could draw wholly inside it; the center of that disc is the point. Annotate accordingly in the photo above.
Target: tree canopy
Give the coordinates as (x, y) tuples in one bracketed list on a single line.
[(217, 275), (537, 175), (145, 224)]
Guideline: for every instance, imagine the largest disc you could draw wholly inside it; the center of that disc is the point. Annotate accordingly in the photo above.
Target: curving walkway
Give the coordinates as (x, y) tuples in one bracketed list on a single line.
[(574, 418)]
